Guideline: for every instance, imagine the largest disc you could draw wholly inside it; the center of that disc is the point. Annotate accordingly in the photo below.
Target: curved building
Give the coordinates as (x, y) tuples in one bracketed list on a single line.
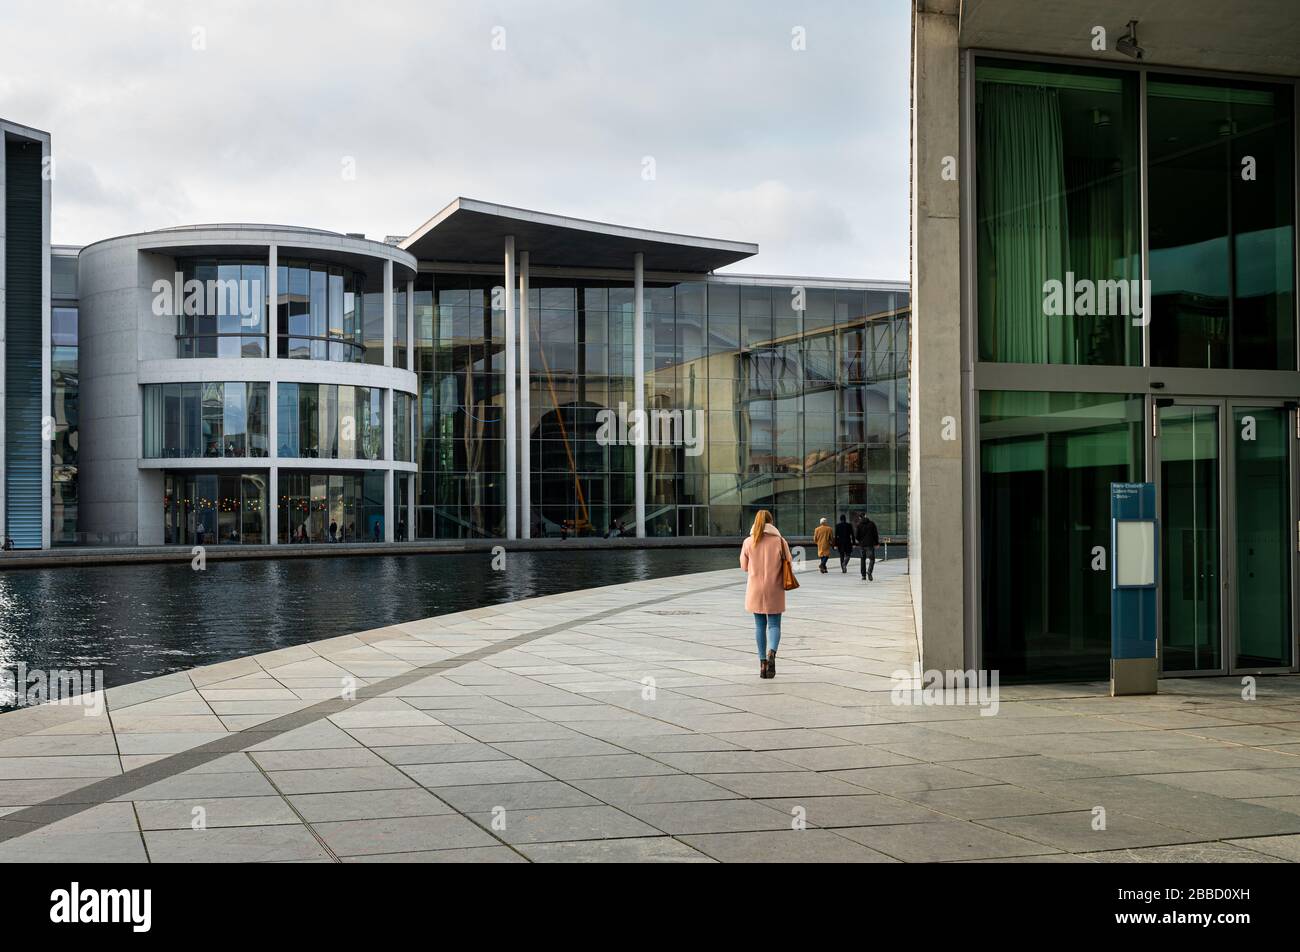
[(244, 384)]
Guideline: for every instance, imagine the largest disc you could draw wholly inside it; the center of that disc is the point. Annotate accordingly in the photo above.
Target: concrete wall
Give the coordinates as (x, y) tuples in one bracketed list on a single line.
[(935, 509), (124, 345)]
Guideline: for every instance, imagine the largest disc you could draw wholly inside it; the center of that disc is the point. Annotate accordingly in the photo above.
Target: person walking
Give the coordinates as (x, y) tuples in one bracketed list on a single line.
[(844, 542), (823, 535), (761, 556), (867, 536)]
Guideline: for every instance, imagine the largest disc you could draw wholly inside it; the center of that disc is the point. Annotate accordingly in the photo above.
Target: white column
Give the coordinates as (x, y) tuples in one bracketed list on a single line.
[(388, 313), (389, 508), (410, 507), (638, 373), (525, 409), (272, 300), (510, 385), (273, 503), (272, 321), (410, 325)]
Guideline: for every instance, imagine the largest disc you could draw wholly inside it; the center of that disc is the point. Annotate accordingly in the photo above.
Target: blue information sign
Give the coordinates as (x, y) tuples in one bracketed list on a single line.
[(1134, 567)]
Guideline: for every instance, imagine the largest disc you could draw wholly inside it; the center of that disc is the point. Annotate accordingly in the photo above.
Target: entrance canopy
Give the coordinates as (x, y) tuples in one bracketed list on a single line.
[(471, 231)]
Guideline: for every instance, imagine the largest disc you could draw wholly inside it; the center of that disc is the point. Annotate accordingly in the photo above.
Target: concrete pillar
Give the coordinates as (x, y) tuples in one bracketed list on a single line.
[(410, 507), (389, 509), (511, 383), (273, 504), (638, 373), (388, 313), (272, 300), (525, 408), (936, 515), (410, 325)]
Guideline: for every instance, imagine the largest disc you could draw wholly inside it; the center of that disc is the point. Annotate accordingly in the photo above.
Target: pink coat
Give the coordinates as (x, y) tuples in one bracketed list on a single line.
[(765, 593)]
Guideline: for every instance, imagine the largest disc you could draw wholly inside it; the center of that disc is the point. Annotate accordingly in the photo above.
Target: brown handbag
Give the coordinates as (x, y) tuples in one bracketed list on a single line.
[(788, 581)]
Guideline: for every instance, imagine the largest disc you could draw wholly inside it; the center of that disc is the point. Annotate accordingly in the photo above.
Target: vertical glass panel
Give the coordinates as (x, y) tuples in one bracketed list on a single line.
[(1261, 436), (1189, 525), (1046, 464), (1057, 212), (1222, 224)]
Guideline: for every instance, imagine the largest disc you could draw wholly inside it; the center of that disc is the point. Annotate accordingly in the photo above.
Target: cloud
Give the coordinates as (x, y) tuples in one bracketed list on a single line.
[(166, 113)]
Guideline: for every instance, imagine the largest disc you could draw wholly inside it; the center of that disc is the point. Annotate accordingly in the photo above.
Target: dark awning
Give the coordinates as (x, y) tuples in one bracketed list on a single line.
[(470, 231)]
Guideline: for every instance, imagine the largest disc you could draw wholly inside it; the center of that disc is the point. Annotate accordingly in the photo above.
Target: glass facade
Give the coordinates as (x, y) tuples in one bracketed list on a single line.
[(1222, 265), (1046, 464), (330, 421), (403, 428), (331, 507), (322, 312), (214, 508), (1059, 257), (188, 420), (64, 396), (223, 308), (1057, 201), (761, 396)]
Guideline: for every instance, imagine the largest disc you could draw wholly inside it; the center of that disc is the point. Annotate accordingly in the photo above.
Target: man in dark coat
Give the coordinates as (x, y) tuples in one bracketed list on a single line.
[(844, 542), (867, 536)]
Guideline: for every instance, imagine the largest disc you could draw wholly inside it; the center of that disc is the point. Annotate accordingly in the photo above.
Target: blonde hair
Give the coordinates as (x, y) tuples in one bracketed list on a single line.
[(761, 522)]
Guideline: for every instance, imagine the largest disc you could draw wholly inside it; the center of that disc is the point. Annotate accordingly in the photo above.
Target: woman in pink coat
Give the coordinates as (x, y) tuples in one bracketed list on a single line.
[(761, 557)]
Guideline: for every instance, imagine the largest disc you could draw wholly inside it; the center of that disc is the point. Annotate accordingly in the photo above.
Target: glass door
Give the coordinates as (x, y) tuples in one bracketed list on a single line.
[(1262, 636), (1190, 484), (1223, 471)]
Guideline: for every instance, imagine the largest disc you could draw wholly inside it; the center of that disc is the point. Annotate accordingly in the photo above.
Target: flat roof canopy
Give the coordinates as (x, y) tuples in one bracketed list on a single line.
[(474, 232)]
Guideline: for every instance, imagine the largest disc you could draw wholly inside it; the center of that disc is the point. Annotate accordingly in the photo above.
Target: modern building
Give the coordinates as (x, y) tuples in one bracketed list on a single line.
[(1103, 275), (25, 174), (255, 384)]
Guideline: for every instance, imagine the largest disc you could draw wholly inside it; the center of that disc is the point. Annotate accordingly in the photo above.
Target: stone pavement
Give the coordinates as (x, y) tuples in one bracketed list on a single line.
[(628, 723)]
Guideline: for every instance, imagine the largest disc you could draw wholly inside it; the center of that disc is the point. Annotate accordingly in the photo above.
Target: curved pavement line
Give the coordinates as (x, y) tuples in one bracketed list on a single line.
[(40, 815)]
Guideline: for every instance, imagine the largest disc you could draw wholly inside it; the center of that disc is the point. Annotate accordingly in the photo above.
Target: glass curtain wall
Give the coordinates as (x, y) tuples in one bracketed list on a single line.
[(223, 308), (321, 312), (187, 420), (1057, 209), (65, 400), (331, 507), (214, 508), (1222, 233), (329, 421), (1046, 464), (789, 399)]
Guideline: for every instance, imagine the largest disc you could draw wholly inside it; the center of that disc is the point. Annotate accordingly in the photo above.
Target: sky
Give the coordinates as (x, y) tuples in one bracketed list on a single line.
[(780, 123)]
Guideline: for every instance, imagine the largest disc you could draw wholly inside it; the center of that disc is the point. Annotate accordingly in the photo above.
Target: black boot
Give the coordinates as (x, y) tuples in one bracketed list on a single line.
[(771, 664)]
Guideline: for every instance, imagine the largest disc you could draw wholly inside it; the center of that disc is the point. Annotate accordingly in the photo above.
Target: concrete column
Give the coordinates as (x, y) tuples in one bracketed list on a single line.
[(273, 505), (389, 532), (410, 507), (638, 356), (525, 409), (936, 517), (388, 313), (410, 325), (272, 300), (511, 383)]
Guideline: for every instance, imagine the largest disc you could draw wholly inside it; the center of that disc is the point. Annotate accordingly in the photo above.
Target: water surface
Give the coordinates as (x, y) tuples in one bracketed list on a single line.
[(141, 621)]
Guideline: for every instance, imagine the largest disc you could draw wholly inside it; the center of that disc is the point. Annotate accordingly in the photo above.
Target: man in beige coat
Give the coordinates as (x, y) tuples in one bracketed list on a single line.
[(761, 556), (823, 535)]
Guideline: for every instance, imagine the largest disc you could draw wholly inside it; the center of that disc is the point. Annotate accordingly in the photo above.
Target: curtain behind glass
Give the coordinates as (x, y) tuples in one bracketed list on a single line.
[(1024, 221)]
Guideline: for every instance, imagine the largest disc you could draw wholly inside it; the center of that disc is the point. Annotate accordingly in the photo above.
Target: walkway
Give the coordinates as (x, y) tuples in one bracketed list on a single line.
[(628, 723)]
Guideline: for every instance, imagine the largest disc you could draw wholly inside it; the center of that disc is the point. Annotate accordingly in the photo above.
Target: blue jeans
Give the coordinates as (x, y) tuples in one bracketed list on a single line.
[(767, 632)]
